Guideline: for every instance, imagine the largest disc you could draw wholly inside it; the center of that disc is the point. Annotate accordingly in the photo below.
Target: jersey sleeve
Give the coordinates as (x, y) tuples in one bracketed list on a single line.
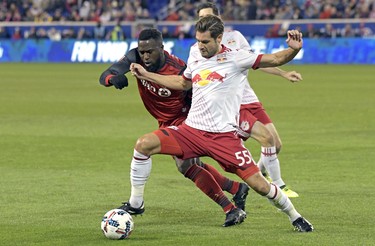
[(194, 55), (187, 74), (247, 59), (122, 66)]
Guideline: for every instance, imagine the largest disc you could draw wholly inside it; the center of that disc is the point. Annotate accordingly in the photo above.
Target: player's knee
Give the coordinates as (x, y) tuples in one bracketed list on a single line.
[(262, 135), (259, 184), (262, 188), (278, 145), (147, 144)]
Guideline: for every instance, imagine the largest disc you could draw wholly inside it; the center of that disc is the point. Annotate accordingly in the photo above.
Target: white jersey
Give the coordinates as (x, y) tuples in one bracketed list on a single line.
[(235, 40), (218, 84)]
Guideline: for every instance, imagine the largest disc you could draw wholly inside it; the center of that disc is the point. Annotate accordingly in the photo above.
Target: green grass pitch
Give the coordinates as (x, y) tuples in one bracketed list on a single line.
[(66, 145)]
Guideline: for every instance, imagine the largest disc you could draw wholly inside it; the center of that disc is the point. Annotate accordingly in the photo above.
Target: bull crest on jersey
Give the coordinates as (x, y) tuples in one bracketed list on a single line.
[(206, 76)]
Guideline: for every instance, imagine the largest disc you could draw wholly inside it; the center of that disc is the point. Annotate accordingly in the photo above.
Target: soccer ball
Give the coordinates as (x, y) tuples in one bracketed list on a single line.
[(117, 224)]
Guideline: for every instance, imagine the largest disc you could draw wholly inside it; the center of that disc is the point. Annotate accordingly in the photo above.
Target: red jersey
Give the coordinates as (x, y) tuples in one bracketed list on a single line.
[(168, 107)]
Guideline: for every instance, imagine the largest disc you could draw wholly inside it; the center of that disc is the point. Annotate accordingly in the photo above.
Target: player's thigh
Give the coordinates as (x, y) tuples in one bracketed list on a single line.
[(261, 134)]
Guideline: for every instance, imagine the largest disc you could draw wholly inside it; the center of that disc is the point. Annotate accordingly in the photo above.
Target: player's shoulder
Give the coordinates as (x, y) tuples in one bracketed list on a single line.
[(173, 62), (132, 55), (233, 54), (229, 49), (194, 52), (172, 59), (227, 54)]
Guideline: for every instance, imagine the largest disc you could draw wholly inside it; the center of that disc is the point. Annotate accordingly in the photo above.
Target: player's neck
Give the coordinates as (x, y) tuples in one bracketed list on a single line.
[(162, 62), (220, 49)]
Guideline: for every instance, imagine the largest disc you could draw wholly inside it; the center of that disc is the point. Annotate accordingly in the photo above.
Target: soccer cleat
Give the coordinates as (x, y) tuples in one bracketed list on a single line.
[(235, 216), (302, 225), (131, 210), (240, 197), (288, 192)]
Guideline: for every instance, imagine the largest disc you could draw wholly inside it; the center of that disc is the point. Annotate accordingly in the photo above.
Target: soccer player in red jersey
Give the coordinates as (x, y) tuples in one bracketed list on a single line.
[(169, 108)]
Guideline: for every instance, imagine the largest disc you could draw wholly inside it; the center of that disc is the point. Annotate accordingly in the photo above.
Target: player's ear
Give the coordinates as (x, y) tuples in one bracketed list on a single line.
[(219, 38)]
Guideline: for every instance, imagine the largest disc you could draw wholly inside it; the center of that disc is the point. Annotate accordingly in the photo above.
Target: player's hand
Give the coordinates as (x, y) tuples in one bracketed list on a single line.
[(294, 39), (138, 71), (293, 76), (119, 81)]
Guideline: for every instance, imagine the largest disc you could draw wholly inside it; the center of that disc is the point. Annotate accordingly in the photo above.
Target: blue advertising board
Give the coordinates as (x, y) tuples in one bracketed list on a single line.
[(315, 51)]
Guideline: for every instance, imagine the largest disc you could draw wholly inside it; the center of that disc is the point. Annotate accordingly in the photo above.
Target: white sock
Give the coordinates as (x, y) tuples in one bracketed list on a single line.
[(261, 166), (140, 170), (272, 164), (282, 202)]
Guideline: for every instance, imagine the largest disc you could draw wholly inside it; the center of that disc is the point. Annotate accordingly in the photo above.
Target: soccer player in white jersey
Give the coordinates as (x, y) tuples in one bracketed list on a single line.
[(217, 76), (254, 121)]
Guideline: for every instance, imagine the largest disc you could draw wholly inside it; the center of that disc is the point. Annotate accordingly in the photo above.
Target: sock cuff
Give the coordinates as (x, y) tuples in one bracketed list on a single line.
[(139, 156), (268, 151), (273, 192)]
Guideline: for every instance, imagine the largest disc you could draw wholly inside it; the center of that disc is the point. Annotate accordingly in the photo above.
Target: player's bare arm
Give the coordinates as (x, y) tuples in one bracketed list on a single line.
[(292, 76), (174, 82), (294, 42)]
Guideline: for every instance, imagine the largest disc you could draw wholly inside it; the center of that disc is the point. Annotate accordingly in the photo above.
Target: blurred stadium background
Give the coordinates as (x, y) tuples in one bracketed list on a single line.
[(335, 31)]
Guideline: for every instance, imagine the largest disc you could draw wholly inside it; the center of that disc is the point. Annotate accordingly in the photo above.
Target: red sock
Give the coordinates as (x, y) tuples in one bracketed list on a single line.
[(206, 183), (225, 183)]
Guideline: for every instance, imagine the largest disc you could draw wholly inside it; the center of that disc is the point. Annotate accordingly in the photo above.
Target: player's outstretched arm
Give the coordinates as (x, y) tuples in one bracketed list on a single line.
[(115, 74), (294, 42), (174, 82), (292, 76)]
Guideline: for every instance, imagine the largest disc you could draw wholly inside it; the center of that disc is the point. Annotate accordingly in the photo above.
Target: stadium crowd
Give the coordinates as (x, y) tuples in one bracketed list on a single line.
[(105, 11)]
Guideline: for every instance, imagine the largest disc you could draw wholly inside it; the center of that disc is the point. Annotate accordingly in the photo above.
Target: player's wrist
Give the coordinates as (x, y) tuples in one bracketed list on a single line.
[(119, 81), (295, 49), (108, 80), (283, 74)]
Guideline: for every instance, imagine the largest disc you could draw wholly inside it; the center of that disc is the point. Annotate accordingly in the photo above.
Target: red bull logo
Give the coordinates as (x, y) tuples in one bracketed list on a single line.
[(206, 76)]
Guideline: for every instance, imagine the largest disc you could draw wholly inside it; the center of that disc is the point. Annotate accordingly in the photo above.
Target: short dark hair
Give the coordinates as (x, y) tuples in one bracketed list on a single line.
[(151, 33), (208, 5), (211, 23)]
